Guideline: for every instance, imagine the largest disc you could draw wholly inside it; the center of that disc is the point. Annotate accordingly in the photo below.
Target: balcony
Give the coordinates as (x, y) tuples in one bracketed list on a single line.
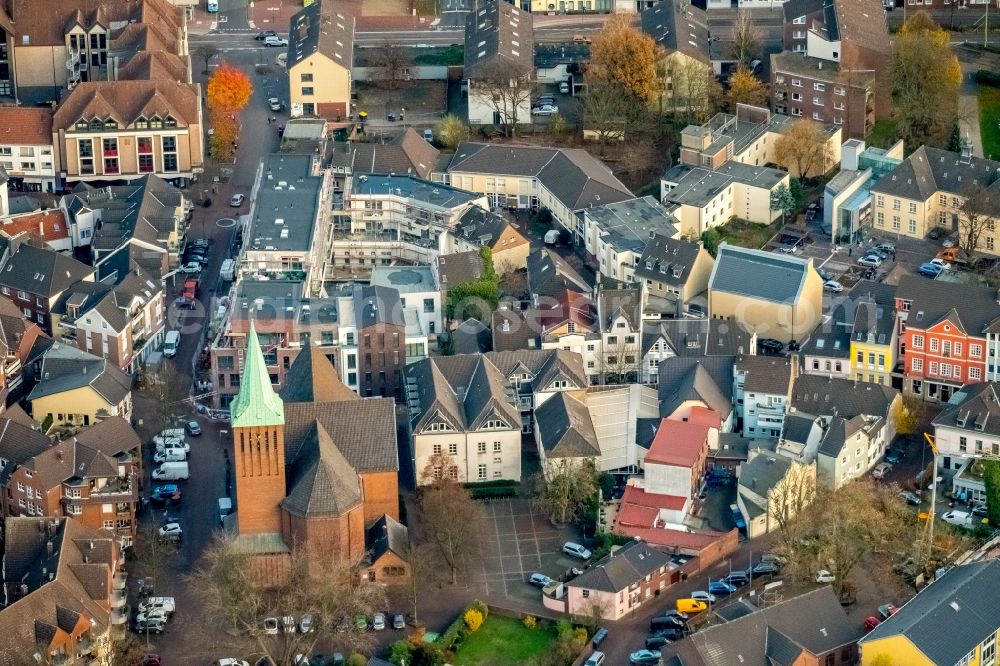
[(119, 599), (119, 489), (120, 580), (119, 616)]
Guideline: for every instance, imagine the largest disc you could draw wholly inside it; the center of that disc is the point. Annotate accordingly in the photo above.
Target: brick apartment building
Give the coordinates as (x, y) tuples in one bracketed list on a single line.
[(36, 278)]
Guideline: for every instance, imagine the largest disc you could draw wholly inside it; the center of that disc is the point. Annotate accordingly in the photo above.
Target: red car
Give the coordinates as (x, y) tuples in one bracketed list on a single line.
[(190, 290)]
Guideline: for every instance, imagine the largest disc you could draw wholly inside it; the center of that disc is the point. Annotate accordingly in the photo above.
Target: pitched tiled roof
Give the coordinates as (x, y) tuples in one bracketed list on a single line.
[(126, 101), (25, 125), (65, 368), (765, 374), (707, 379), (667, 260), (698, 337), (976, 409), (18, 444), (565, 428), (763, 472), (480, 226), (757, 274), (951, 616), (473, 336), (863, 23), (466, 389), (42, 271), (545, 365), (678, 26), (835, 396), (678, 443), (45, 226), (574, 176), (500, 33), (625, 566), (49, 27), (324, 484), (156, 65), (971, 308), (364, 431), (928, 171), (312, 378), (409, 153), (614, 303), (320, 28), (387, 535), (512, 331), (549, 274)]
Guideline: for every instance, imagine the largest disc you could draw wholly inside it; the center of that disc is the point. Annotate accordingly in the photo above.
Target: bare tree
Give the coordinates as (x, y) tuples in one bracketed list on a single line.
[(206, 52), (620, 360), (977, 215), (611, 111), (449, 517), (229, 583), (505, 88), (564, 491), (425, 569), (746, 37), (803, 146), (693, 87), (790, 497), (391, 62)]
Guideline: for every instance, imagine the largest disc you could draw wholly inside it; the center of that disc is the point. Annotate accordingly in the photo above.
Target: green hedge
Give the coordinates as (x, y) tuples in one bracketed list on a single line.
[(988, 78), (494, 489), (456, 629)]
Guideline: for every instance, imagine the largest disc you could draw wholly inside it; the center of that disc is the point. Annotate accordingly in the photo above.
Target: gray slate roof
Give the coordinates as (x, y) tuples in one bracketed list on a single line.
[(951, 616), (678, 26), (325, 484), (473, 336), (65, 368), (930, 170), (699, 337), (549, 274), (42, 272), (458, 268), (931, 301), (387, 535), (408, 153), (614, 303), (512, 331), (756, 274), (625, 566), (464, 390), (975, 409), (835, 396), (19, 443), (312, 378), (763, 472), (765, 374), (708, 379), (565, 428), (667, 260), (499, 33), (320, 28), (575, 177)]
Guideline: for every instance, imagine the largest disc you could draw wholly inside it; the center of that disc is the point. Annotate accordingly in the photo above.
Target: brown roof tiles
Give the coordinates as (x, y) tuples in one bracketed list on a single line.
[(25, 126), (125, 101)]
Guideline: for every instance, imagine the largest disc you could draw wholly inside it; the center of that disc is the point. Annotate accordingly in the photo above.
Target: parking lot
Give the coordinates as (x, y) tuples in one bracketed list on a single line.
[(522, 542)]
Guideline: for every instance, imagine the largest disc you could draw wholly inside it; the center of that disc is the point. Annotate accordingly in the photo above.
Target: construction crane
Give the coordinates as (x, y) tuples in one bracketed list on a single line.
[(925, 544)]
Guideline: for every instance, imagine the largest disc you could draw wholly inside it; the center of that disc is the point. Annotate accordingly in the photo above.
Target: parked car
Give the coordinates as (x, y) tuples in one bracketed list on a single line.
[(564, 87), (886, 611), (171, 532), (271, 626), (237, 200), (664, 622), (948, 243), (261, 36), (378, 621), (193, 428), (656, 642), (886, 247), (165, 604), (704, 597), (191, 267), (771, 345), (152, 614), (539, 580), (306, 624), (151, 660), (773, 557), (834, 286), (288, 624), (398, 621), (957, 518), (545, 110), (881, 470), (980, 511), (870, 261), (670, 633), (910, 497), (893, 456), (167, 491), (765, 568), (599, 637), (576, 550), (274, 40), (595, 659), (645, 657), (824, 576), (940, 263), (737, 578), (929, 269), (690, 605), (877, 252), (721, 587), (153, 626), (274, 103), (361, 622)]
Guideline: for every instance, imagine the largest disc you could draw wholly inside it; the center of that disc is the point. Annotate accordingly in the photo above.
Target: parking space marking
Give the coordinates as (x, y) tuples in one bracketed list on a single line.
[(496, 530)]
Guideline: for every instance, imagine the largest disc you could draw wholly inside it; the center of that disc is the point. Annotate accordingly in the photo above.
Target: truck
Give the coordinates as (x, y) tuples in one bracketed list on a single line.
[(225, 508), (171, 343), (228, 270), (171, 471), (212, 6)]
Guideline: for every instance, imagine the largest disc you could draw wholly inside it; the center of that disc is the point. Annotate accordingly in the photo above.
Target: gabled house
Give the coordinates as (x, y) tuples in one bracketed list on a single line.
[(689, 384), (499, 51), (762, 386), (405, 154), (777, 296), (478, 227), (691, 338), (43, 228), (537, 375), (76, 388), (966, 431), (18, 336), (765, 490), (874, 333), (37, 279), (616, 234), (320, 58), (388, 552), (674, 273), (26, 148), (65, 592)]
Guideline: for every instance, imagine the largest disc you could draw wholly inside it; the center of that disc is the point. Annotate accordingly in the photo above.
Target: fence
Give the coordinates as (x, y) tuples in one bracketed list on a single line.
[(415, 73)]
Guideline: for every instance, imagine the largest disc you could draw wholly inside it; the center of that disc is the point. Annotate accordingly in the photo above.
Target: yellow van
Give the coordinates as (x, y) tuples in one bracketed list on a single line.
[(691, 605)]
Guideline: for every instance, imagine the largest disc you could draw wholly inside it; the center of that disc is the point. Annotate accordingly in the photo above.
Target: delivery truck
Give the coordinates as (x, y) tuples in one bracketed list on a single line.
[(171, 471)]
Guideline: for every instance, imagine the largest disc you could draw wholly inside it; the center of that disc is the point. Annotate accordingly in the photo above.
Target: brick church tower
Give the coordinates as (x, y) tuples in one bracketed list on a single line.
[(258, 426)]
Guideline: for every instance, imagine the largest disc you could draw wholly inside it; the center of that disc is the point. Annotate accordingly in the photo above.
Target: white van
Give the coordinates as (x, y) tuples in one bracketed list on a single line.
[(225, 508), (171, 471), (596, 659), (171, 343), (227, 272), (170, 455)]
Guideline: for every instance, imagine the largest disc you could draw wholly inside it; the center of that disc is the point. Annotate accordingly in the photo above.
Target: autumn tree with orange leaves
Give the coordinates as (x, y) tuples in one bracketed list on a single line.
[(228, 92)]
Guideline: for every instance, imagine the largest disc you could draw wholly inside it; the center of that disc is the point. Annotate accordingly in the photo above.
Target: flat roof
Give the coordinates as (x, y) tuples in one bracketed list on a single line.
[(629, 224), (284, 214), (405, 279), (695, 186), (267, 300), (435, 194)]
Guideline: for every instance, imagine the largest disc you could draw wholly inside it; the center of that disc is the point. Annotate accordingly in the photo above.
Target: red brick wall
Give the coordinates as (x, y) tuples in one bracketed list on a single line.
[(381, 493), (260, 478), (328, 538), (389, 560)]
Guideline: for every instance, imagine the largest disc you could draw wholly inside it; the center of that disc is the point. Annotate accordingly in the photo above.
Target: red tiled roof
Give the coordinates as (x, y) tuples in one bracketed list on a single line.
[(635, 496), (672, 538), (705, 416), (47, 225), (633, 514), (25, 126), (678, 443)]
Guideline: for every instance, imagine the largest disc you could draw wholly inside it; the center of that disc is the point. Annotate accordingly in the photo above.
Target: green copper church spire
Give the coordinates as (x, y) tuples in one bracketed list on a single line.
[(257, 404)]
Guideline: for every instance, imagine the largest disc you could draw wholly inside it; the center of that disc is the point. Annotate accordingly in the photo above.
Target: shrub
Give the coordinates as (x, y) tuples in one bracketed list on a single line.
[(481, 608), (357, 659), (988, 78), (473, 620), (46, 423), (529, 621), (401, 653)]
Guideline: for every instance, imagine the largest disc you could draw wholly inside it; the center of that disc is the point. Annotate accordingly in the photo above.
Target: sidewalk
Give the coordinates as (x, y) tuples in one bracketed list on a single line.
[(968, 109)]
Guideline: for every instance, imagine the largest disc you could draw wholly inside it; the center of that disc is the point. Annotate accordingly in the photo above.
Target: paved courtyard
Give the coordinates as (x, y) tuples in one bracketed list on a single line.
[(522, 542)]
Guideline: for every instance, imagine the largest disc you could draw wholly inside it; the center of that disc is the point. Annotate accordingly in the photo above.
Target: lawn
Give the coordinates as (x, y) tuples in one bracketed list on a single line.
[(504, 641), (989, 120), (740, 232), (883, 134)]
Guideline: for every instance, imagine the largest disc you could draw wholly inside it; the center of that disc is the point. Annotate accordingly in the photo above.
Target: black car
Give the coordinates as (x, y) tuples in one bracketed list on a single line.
[(666, 623), (656, 642), (765, 568), (771, 345), (737, 578), (671, 634), (261, 36), (599, 637)]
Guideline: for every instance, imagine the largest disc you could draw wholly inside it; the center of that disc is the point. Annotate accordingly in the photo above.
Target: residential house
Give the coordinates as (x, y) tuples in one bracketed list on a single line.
[(811, 628), (145, 219), (320, 58), (827, 351), (707, 198), (748, 137), (36, 279), (766, 490), (26, 148), (598, 423), (691, 338), (966, 432), (479, 227), (499, 52), (512, 330), (616, 234), (942, 335), (762, 387), (675, 273), (926, 191), (777, 296), (76, 388), (122, 322), (564, 180), (691, 384), (681, 29), (418, 290), (835, 65), (473, 337), (675, 463), (18, 336), (957, 605), (625, 579), (389, 552), (123, 130), (406, 154), (65, 594), (458, 268), (464, 419), (92, 476), (855, 421), (42, 228), (874, 335)]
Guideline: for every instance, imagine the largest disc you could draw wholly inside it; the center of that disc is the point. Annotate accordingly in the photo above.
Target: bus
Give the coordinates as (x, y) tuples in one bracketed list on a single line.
[(213, 5)]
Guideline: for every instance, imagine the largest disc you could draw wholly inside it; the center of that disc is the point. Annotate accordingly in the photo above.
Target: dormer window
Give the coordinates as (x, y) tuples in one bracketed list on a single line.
[(155, 122), (170, 122), (110, 123), (96, 125), (82, 125), (141, 123), (494, 424)]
